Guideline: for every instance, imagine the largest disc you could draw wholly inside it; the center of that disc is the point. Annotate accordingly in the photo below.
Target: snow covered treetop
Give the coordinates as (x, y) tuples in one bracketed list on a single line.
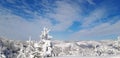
[(118, 38), (45, 34)]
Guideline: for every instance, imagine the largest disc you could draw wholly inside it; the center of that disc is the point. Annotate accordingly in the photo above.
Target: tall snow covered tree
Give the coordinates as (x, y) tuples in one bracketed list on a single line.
[(40, 49)]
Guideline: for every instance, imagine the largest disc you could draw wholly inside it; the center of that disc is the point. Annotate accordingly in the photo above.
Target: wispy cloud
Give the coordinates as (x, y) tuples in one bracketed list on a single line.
[(91, 2), (104, 29), (65, 14), (97, 14), (16, 27), (20, 19)]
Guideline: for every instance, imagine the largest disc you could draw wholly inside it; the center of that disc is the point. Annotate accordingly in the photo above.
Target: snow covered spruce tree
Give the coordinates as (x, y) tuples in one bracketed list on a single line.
[(47, 44), (36, 49)]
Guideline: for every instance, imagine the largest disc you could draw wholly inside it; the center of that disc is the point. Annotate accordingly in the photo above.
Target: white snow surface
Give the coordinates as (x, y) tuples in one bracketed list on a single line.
[(68, 49), (86, 57)]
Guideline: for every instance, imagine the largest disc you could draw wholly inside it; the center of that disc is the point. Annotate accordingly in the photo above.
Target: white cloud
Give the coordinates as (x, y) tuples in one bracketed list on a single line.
[(99, 31), (94, 15), (11, 1), (65, 14), (16, 27), (91, 2)]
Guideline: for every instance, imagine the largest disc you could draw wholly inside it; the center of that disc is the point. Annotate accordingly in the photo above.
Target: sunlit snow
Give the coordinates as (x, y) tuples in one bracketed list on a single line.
[(46, 47)]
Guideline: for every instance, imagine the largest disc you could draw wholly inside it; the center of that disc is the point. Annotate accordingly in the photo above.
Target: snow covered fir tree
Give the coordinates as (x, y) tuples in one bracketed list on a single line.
[(46, 47), (40, 49), (30, 49)]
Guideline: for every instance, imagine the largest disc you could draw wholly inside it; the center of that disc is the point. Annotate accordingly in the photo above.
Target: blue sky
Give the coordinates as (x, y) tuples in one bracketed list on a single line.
[(67, 19)]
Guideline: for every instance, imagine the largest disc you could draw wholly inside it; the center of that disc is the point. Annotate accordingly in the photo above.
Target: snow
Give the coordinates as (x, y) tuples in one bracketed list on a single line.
[(87, 57), (59, 49)]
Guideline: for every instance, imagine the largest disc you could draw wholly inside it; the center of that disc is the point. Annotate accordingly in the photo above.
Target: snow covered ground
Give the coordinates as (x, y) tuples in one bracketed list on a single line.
[(100, 49), (59, 49), (87, 57)]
